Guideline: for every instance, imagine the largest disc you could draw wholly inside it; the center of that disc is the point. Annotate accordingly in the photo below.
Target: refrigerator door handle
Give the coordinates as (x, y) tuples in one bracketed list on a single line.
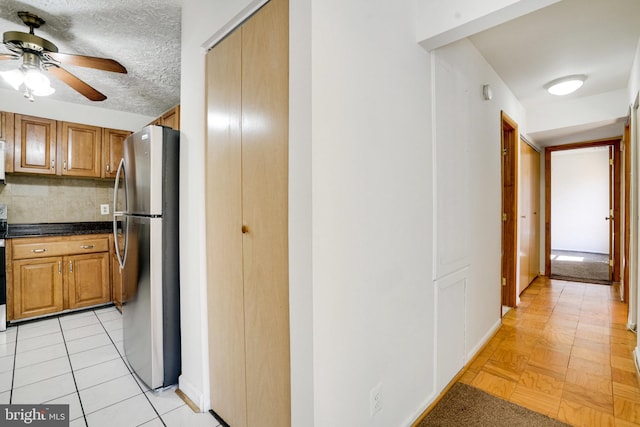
[(119, 214)]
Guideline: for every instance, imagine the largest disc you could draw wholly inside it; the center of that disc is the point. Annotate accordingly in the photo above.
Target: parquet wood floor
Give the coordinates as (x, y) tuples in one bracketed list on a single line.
[(564, 352)]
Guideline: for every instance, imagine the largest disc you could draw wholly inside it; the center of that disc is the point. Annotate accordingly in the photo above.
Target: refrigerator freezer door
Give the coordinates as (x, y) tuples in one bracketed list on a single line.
[(143, 171), (142, 311)]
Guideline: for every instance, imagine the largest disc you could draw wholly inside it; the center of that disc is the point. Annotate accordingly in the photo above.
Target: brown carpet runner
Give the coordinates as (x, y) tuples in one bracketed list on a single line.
[(464, 406)]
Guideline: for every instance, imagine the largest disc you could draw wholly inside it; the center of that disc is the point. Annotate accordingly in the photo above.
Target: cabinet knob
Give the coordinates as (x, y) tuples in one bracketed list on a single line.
[(38, 251), (245, 229), (87, 246)]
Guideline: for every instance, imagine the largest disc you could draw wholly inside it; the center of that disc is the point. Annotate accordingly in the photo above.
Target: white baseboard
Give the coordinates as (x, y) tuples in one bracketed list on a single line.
[(193, 393), (636, 358), (485, 339)]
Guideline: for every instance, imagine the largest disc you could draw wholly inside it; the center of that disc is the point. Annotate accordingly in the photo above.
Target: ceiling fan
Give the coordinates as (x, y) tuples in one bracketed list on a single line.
[(39, 54)]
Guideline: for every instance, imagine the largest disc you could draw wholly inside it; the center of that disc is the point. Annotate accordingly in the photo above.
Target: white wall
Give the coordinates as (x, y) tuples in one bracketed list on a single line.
[(604, 108), (439, 22), (580, 200), (361, 215), (49, 107), (468, 186), (372, 209)]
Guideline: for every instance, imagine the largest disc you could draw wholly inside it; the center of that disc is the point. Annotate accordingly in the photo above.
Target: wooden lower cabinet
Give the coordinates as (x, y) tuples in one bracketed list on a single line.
[(87, 279), (53, 274), (116, 282), (37, 287)]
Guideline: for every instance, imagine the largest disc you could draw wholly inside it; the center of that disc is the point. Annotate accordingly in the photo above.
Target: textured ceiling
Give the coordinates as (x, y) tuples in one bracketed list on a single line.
[(143, 35)]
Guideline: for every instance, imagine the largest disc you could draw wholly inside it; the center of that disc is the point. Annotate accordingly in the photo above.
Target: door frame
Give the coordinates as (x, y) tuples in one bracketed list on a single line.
[(509, 137), (615, 142)]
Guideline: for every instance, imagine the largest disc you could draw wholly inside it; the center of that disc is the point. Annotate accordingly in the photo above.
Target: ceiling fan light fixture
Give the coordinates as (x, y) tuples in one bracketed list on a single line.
[(35, 80), (15, 78), (565, 85), (43, 91)]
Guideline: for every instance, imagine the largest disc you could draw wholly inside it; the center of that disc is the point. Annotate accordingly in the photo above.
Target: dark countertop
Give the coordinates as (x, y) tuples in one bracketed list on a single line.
[(58, 229)]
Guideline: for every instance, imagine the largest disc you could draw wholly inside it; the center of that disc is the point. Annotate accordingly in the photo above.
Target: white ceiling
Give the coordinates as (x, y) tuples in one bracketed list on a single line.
[(593, 37), (143, 35)]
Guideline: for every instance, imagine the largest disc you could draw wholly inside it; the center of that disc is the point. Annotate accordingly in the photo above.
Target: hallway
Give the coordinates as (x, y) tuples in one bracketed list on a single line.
[(564, 352)]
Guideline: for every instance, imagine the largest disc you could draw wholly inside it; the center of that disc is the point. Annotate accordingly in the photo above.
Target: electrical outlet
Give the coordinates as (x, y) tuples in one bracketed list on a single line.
[(104, 209), (375, 399)]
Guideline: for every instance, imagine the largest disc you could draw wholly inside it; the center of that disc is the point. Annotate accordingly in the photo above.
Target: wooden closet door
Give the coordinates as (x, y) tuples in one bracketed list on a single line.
[(265, 123), (225, 292), (534, 252), (524, 212), (247, 221)]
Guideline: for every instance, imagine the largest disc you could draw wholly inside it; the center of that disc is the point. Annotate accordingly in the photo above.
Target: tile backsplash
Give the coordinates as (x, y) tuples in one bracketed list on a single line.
[(35, 199)]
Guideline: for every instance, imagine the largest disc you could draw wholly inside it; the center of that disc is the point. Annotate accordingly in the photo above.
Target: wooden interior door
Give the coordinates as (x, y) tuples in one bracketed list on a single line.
[(525, 219), (529, 196), (612, 219), (509, 209), (626, 232), (224, 231), (265, 124), (247, 221), (534, 261)]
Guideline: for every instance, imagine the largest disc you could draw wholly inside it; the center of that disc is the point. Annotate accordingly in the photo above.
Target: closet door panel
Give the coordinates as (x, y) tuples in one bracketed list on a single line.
[(534, 262), (265, 98), (224, 232)]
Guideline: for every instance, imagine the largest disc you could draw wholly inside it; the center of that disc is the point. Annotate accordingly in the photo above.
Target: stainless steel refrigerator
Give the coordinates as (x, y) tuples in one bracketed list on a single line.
[(145, 206)]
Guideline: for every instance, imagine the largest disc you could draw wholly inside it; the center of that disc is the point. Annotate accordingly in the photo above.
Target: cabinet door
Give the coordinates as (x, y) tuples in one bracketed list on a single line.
[(172, 118), (116, 281), (112, 141), (35, 145), (37, 287), (6, 135), (87, 279), (81, 152)]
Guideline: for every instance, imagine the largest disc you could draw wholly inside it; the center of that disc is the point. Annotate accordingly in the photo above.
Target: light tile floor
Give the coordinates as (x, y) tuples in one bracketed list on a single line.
[(78, 359)]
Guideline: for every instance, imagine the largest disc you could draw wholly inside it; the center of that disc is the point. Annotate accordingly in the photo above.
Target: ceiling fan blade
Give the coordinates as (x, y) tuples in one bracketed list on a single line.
[(77, 84), (4, 56), (88, 62)]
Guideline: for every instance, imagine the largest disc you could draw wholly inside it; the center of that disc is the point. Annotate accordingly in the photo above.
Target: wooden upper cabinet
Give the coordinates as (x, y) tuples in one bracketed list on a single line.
[(172, 118), (35, 145), (112, 141), (80, 150), (6, 134)]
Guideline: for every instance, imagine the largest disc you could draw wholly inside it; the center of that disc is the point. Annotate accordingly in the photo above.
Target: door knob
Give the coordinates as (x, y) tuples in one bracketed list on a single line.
[(245, 229)]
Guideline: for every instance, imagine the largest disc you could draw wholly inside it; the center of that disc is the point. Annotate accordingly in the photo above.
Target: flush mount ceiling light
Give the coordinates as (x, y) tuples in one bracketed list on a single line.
[(565, 85)]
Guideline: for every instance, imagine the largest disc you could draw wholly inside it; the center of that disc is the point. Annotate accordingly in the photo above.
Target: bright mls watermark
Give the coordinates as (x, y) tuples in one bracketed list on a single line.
[(34, 415)]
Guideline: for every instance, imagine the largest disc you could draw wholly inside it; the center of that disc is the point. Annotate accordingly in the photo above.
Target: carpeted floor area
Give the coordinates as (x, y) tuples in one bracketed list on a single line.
[(580, 265), (464, 406)]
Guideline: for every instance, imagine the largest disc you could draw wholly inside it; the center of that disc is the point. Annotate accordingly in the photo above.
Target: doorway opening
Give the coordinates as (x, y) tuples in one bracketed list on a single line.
[(583, 207)]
